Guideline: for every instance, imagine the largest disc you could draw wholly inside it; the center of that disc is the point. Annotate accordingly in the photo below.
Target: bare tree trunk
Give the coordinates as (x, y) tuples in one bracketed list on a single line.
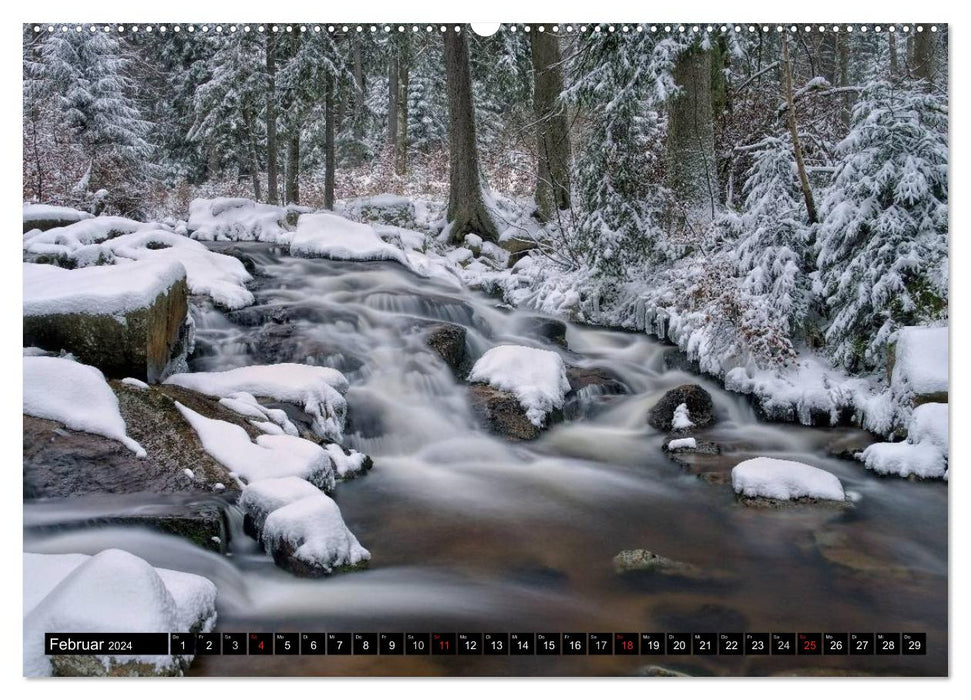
[(37, 165), (401, 141), (807, 192), (254, 157), (272, 186), (466, 209), (925, 67), (691, 167), (330, 159), (552, 128), (357, 58), (292, 186), (844, 68), (393, 99), (894, 68)]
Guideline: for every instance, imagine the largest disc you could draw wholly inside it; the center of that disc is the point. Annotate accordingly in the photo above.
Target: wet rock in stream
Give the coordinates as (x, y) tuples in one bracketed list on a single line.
[(701, 408), (645, 561), (448, 340), (501, 412)]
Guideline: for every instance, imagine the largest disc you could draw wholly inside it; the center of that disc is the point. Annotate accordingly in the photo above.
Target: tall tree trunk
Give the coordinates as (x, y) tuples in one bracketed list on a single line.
[(37, 164), (894, 67), (691, 167), (401, 117), (552, 127), (330, 159), (844, 69), (807, 192), (357, 59), (292, 186), (925, 59), (393, 99), (466, 209), (254, 155), (272, 186)]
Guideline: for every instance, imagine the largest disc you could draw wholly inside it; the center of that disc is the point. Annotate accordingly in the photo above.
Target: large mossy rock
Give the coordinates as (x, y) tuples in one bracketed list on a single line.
[(701, 409), (501, 412), (110, 317)]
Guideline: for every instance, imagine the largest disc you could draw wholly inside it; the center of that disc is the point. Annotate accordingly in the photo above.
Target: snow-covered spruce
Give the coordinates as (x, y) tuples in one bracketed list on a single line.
[(318, 390), (75, 395), (308, 537), (270, 457), (925, 452), (536, 377), (113, 591), (235, 219), (784, 480)]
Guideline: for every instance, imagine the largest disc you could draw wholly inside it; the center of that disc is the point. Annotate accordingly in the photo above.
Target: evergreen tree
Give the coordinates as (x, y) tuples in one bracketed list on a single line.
[(882, 243)]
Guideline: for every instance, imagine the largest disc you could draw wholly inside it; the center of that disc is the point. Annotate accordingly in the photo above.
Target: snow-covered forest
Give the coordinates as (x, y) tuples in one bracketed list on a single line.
[(520, 276)]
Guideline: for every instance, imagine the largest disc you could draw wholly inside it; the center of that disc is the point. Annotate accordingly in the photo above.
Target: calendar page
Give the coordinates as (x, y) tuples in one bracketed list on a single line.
[(436, 349)]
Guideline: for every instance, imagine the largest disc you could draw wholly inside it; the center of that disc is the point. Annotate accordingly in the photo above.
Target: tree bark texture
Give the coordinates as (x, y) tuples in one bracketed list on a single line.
[(807, 192), (552, 127), (272, 175)]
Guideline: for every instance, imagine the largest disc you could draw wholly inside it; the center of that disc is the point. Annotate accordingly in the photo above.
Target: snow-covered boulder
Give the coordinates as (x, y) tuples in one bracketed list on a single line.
[(113, 591), (45, 216), (337, 238), (537, 378), (237, 219), (318, 390), (261, 498), (925, 452), (269, 457), (918, 364), (385, 208), (76, 396), (127, 320), (784, 480), (681, 408), (308, 537)]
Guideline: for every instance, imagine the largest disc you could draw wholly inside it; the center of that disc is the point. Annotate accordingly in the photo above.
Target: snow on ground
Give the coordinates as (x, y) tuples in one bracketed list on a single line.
[(347, 465), (47, 212), (136, 383), (106, 290), (235, 219), (270, 457), (920, 361), (76, 395), (261, 498), (80, 241), (113, 591), (337, 238), (320, 390), (682, 444), (314, 529), (925, 452), (269, 420), (784, 480), (682, 418), (536, 377)]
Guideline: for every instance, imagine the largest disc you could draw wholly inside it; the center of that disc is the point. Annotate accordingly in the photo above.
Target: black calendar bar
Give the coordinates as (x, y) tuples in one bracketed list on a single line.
[(490, 643)]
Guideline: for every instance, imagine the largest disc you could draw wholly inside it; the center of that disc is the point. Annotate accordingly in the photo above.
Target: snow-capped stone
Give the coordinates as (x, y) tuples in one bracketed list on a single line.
[(783, 480), (925, 452), (237, 219), (537, 378), (337, 238)]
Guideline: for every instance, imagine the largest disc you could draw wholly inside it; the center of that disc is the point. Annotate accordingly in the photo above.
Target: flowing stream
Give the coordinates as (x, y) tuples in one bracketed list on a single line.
[(472, 533)]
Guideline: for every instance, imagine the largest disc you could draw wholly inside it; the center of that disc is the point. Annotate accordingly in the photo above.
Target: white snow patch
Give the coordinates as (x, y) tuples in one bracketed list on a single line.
[(682, 418), (347, 465), (113, 591), (924, 454), (920, 364), (320, 390), (784, 480), (337, 238), (104, 290), (76, 395), (536, 377), (137, 383), (263, 497), (270, 457), (314, 528), (682, 444), (236, 219), (48, 212)]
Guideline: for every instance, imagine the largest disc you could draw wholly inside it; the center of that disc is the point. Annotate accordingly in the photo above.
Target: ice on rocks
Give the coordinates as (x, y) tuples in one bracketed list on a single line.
[(319, 390), (76, 395), (113, 591), (270, 457), (536, 377), (780, 479)]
